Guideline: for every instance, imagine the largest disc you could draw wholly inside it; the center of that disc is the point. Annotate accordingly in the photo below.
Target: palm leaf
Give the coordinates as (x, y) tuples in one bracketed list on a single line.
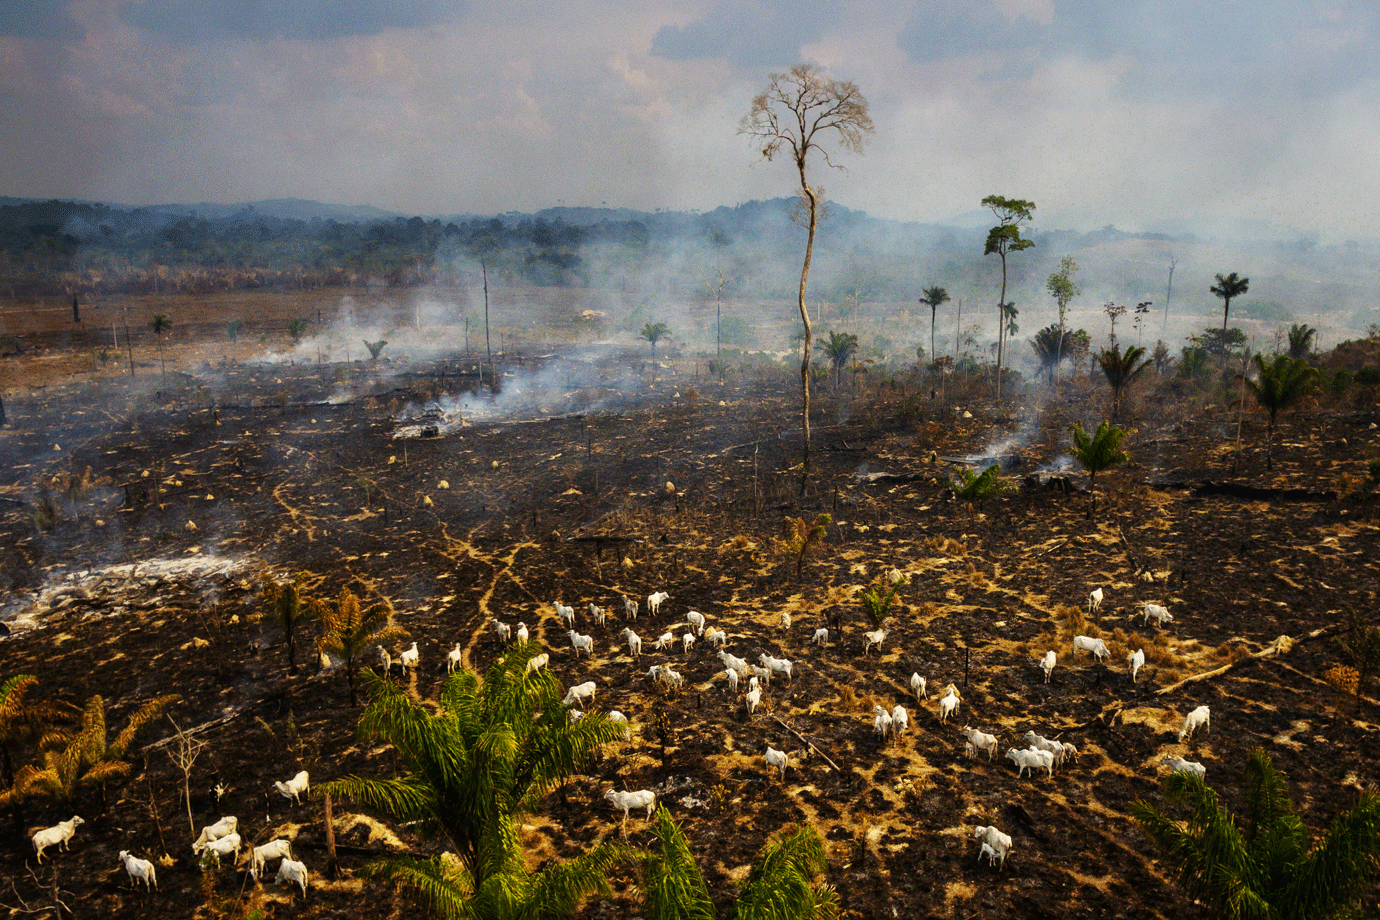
[(145, 714), (1339, 869), (672, 881), (445, 889), (557, 892), (780, 884)]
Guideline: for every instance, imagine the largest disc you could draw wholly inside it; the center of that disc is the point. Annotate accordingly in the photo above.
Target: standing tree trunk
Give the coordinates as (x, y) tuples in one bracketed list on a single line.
[(809, 337), (493, 383), (1169, 290), (1001, 322)]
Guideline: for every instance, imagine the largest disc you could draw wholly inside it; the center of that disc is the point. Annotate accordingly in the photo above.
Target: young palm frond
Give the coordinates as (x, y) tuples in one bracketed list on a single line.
[(1098, 452), (1268, 872), (672, 883), (878, 598), (1301, 336), (1121, 370), (349, 629), (1283, 382), (781, 884), (976, 488)]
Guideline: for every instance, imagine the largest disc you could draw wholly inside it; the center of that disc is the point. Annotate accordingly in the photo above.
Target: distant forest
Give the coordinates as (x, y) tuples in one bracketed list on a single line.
[(56, 248)]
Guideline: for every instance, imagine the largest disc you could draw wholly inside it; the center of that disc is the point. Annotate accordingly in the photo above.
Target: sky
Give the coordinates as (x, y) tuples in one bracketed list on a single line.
[(1153, 115)]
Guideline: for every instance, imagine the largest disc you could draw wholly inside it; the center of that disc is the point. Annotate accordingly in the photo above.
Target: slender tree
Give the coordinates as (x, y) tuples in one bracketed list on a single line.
[(1229, 288), (288, 608), (1062, 288), (716, 290), (799, 538), (1263, 866), (799, 110), (1004, 238), (472, 767), (160, 323), (1097, 453), (1122, 369), (1168, 293), (348, 629), (1282, 383), (840, 347), (933, 298)]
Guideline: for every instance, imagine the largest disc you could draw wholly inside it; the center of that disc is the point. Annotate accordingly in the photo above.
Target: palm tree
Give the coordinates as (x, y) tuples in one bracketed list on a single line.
[(349, 630), (840, 347), (653, 333), (779, 887), (878, 598), (1098, 452), (473, 766), (23, 723), (1283, 382), (288, 609), (85, 758), (1122, 369), (1228, 288), (161, 324), (1301, 340), (976, 488), (1052, 345), (1267, 868), (933, 297)]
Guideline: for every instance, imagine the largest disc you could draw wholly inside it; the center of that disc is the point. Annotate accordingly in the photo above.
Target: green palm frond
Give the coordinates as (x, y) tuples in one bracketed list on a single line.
[(445, 888), (976, 488), (781, 884), (1263, 874), (1339, 869), (672, 882), (404, 800), (557, 892)]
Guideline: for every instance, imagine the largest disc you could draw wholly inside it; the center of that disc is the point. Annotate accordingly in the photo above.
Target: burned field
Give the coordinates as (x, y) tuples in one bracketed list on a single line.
[(143, 578)]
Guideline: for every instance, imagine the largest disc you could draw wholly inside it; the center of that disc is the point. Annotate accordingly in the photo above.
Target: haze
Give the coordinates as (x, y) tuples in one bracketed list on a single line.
[(1250, 119)]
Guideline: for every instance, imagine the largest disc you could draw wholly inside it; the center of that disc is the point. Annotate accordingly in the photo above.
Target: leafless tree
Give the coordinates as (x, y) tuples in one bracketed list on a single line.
[(183, 756), (799, 110)]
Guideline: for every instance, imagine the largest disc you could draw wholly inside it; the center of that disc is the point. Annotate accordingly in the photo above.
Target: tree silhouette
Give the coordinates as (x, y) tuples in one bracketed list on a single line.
[(796, 112), (1266, 868), (1122, 369), (234, 328), (296, 329), (160, 323), (838, 349), (1003, 238), (1301, 337), (1228, 288), (1097, 453), (653, 333), (1282, 383), (1052, 345), (288, 608), (933, 297), (473, 765), (375, 348), (348, 629), (976, 488), (24, 723)]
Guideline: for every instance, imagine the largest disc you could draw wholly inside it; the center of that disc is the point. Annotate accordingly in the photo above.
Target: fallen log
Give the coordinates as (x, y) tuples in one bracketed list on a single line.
[(1281, 646), (805, 741)]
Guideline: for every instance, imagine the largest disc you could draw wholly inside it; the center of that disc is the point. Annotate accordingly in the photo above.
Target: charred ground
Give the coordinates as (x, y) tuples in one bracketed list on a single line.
[(281, 469)]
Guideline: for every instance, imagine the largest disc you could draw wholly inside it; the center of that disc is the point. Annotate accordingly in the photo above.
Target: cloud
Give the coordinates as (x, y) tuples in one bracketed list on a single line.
[(760, 33), (42, 19), (194, 21)]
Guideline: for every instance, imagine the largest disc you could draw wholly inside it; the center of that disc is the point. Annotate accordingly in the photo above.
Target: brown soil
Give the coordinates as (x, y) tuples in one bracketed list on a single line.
[(223, 473)]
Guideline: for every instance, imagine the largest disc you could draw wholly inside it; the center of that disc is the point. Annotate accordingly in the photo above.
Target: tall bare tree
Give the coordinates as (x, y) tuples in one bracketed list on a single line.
[(797, 112)]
